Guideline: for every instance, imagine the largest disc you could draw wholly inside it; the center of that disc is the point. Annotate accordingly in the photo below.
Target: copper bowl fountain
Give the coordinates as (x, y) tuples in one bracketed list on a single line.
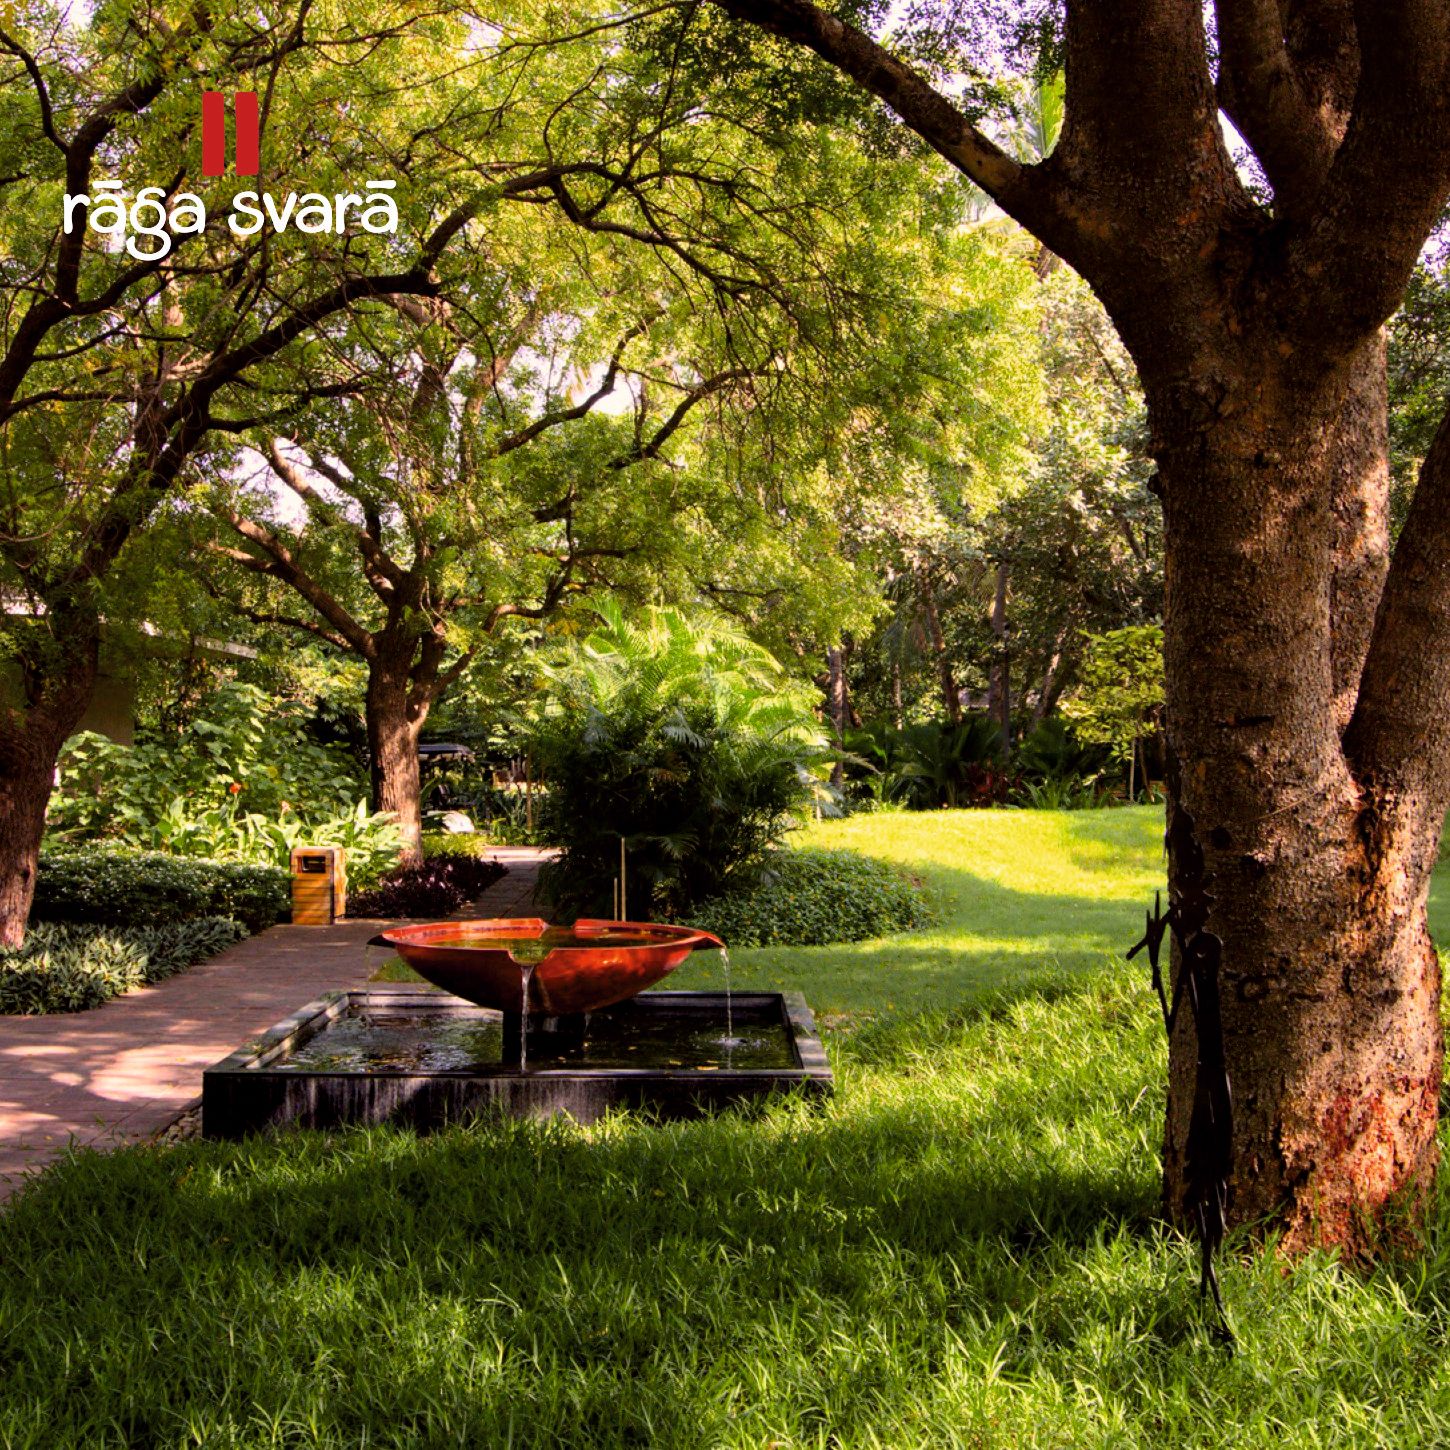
[(524, 963)]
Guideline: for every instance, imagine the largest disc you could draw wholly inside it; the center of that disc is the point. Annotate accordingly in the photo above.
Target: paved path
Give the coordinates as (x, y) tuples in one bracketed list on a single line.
[(124, 1070)]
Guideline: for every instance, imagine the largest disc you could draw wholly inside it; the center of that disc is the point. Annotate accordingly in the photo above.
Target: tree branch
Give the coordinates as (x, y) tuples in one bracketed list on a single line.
[(1349, 261), (1260, 94), (650, 449), (1400, 730), (382, 573), (1024, 192), (579, 410), (281, 563)]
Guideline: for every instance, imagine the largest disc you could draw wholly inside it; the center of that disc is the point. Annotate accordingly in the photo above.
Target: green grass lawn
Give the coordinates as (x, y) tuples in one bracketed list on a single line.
[(1024, 899), (960, 1249)]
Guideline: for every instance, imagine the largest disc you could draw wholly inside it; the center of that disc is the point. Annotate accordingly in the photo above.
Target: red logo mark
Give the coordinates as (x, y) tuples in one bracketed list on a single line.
[(214, 133)]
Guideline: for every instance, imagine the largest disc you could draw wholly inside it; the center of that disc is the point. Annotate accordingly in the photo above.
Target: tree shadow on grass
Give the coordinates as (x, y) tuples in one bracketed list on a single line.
[(631, 1284)]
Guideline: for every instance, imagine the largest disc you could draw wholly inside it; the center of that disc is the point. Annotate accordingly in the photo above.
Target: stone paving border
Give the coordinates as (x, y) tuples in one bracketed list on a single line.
[(124, 1071)]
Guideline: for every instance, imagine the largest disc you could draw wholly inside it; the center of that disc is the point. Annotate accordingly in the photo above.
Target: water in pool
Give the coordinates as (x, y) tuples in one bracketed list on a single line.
[(373, 1040)]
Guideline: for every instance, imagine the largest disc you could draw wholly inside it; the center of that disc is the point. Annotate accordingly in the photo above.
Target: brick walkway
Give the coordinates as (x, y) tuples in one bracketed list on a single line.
[(123, 1071)]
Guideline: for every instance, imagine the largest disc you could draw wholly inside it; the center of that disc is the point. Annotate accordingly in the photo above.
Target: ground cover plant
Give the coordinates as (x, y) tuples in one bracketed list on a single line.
[(435, 886), (71, 967), (960, 1250)]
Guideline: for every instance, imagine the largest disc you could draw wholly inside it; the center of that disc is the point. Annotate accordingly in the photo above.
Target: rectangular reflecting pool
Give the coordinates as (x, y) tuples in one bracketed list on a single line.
[(421, 1057)]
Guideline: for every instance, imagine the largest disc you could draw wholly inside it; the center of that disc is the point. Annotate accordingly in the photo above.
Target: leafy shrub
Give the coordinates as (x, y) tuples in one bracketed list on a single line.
[(125, 887), (1053, 751), (372, 840), (455, 843), (681, 735), (813, 897), (936, 764), (225, 832), (70, 967), (437, 886), (245, 752), (1060, 793)]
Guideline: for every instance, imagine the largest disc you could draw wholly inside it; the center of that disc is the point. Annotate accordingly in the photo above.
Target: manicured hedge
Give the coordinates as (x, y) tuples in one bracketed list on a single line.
[(127, 888), (813, 897), (68, 967)]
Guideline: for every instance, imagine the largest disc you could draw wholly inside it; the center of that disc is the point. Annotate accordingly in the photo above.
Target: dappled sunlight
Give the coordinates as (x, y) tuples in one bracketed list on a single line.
[(960, 1248), (1019, 895)]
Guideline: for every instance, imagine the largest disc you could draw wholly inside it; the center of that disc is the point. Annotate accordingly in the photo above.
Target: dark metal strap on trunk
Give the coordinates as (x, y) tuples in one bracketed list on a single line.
[(1208, 1152)]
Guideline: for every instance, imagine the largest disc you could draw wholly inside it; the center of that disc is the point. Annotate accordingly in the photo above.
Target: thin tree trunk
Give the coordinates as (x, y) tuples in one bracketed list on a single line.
[(1048, 694), (951, 699), (837, 704), (999, 682), (898, 707)]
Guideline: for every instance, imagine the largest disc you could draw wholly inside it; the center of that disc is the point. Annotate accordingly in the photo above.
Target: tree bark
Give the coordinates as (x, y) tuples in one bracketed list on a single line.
[(395, 719), (951, 699), (999, 682), (1329, 986), (58, 675), (838, 703), (25, 784)]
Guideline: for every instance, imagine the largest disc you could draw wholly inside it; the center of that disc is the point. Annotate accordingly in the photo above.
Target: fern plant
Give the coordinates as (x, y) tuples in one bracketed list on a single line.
[(684, 737)]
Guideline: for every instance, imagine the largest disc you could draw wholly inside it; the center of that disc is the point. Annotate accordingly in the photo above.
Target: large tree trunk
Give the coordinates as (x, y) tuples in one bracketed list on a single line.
[(395, 720), (1308, 681), (1329, 987), (58, 676)]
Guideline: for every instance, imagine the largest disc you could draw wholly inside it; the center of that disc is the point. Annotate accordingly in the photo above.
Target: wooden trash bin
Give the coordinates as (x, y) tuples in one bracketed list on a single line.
[(319, 885)]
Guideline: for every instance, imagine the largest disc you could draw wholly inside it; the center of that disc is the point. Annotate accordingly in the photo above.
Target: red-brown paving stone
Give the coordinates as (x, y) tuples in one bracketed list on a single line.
[(123, 1071)]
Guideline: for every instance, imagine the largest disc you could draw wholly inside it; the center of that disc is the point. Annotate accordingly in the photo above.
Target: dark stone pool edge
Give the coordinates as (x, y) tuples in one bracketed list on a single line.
[(240, 1095)]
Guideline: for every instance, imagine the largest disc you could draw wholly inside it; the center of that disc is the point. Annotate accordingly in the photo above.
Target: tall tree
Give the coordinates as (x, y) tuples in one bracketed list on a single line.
[(121, 354), (1307, 680), (658, 380)]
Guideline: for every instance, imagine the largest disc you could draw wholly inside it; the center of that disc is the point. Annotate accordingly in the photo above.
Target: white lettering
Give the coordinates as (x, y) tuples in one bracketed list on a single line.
[(279, 219), (151, 219), (149, 199), (113, 207), (188, 203), (341, 202), (378, 200), (245, 202), (72, 202), (319, 209)]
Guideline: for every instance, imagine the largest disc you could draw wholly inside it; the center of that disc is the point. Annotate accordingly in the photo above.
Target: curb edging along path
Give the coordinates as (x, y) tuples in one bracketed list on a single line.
[(121, 1072)]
